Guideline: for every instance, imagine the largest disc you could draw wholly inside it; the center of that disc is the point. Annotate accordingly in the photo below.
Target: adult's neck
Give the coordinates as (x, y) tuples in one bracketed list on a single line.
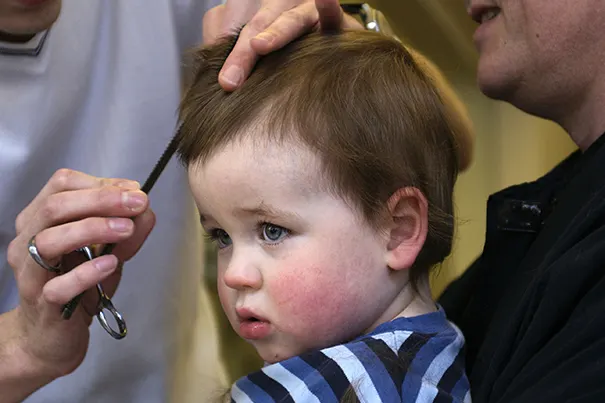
[(584, 121)]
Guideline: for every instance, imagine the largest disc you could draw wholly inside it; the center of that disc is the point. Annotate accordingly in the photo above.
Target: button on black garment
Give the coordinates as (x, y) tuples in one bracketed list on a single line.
[(532, 307)]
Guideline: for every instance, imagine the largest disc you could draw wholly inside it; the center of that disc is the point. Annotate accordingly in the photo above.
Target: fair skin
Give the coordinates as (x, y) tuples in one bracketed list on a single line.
[(545, 57), (24, 18), (72, 210), (299, 268)]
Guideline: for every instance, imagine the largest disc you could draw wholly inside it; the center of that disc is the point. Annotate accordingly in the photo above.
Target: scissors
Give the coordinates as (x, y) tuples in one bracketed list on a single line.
[(104, 302)]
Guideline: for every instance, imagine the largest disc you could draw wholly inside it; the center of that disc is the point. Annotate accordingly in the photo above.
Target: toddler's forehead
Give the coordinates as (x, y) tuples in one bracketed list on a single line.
[(264, 162)]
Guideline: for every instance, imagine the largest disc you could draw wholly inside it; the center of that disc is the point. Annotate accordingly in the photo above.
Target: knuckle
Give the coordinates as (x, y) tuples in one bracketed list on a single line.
[(50, 294), (109, 196), (293, 17), (106, 182), (12, 254), (51, 207), (61, 178), (261, 20), (20, 222)]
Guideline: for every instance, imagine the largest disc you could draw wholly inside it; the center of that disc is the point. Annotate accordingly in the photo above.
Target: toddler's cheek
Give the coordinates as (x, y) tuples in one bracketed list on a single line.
[(313, 306)]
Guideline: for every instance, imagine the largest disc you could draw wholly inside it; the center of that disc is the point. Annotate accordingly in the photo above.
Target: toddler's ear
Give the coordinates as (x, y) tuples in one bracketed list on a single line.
[(408, 211)]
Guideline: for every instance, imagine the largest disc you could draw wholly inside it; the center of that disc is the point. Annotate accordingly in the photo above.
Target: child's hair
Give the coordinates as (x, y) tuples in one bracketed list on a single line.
[(360, 101)]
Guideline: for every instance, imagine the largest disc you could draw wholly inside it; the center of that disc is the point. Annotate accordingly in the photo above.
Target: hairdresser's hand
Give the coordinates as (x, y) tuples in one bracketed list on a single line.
[(72, 210), (270, 24)]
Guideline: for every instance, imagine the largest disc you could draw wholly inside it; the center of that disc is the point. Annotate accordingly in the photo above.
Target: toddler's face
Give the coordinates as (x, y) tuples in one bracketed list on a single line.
[(298, 268)]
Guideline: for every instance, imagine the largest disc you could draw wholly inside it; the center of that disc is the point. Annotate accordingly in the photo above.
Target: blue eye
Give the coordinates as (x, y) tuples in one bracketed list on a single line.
[(273, 233), (221, 238)]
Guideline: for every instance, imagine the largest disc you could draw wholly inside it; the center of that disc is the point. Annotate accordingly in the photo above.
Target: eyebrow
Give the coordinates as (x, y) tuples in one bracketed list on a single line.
[(266, 210), (261, 210)]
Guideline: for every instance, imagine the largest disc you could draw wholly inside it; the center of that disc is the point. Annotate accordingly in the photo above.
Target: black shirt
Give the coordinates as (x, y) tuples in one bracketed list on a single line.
[(532, 306)]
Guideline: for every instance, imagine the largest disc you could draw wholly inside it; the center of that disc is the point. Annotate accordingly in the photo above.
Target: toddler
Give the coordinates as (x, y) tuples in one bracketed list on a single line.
[(326, 183)]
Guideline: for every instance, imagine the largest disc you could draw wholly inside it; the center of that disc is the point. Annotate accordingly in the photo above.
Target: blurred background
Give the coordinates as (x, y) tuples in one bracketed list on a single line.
[(510, 146)]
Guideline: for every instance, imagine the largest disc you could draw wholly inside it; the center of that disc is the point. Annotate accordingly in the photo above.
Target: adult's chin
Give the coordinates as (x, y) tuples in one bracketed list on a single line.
[(27, 18), (499, 74)]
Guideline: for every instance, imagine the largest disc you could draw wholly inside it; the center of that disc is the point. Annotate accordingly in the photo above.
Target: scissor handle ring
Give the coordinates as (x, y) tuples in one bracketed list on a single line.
[(122, 330), (105, 303)]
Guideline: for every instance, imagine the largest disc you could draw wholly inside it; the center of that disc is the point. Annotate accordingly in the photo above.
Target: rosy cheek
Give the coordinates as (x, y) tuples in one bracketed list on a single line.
[(309, 300)]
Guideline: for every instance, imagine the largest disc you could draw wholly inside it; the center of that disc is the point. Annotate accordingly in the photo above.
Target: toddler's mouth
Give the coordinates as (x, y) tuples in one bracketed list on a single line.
[(251, 325)]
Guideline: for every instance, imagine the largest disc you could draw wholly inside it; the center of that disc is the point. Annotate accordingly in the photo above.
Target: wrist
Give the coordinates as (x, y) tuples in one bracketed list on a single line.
[(20, 374)]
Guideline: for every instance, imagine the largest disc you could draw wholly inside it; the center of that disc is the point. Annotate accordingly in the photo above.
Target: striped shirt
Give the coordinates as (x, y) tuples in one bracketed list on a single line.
[(419, 359)]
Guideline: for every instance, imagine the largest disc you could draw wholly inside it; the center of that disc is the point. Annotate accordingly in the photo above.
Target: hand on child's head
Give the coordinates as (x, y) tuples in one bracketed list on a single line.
[(267, 29)]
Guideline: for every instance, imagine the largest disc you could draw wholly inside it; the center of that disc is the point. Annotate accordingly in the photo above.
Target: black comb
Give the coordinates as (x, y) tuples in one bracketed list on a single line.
[(70, 307)]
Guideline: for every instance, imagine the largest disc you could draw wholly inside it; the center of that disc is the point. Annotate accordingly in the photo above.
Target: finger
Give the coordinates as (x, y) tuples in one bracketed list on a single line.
[(66, 180), (73, 205), (127, 249), (62, 289), (237, 13), (331, 16), (212, 24), (286, 28), (55, 242), (240, 62), (64, 207), (143, 225)]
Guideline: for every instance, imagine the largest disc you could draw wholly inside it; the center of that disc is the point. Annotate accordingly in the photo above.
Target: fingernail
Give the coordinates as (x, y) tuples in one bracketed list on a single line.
[(128, 184), (233, 76), (120, 224), (134, 200), (265, 37), (105, 263)]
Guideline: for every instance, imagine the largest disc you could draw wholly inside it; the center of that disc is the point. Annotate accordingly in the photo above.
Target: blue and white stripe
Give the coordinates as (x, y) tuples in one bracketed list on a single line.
[(395, 364)]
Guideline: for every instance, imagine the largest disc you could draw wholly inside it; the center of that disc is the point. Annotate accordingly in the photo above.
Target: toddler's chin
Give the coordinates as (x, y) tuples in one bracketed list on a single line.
[(271, 356)]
